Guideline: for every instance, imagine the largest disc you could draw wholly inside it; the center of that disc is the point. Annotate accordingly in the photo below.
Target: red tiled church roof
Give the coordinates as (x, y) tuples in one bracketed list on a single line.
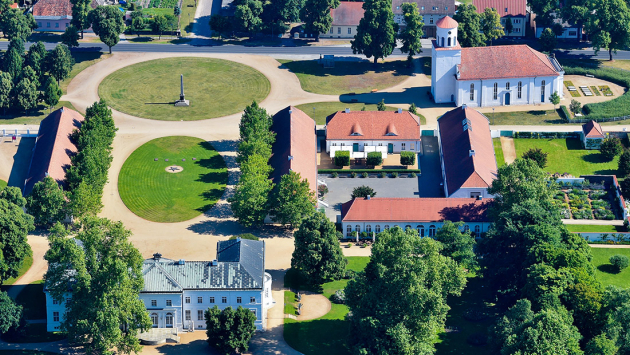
[(348, 13), (514, 7), (592, 129), (502, 62), (373, 125), (446, 22), (467, 150), (53, 149), (52, 8), (415, 210), (295, 148)]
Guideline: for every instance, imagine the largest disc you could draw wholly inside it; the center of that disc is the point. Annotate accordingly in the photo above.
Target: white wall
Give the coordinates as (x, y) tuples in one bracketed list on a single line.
[(51, 309), (231, 301), (466, 191), (569, 33), (519, 25), (483, 226), (443, 69), (412, 146), (530, 91)]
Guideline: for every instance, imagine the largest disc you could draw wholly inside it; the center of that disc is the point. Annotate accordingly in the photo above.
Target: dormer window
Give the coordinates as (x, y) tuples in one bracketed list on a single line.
[(391, 134), (356, 134)]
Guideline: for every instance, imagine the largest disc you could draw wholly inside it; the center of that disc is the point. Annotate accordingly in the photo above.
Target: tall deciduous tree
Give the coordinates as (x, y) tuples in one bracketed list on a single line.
[(376, 33), (13, 195), (10, 313), (26, 94), (229, 330), (14, 228), (36, 58), (70, 37), (544, 10), (220, 24), (609, 25), (491, 25), (14, 59), (317, 256), (456, 244), (411, 281), (46, 202), (159, 25), (84, 201), (247, 16), (137, 24), (51, 92), (107, 23), (105, 313), (412, 33), (250, 203), (60, 62), (80, 12), (17, 25), (624, 163), (6, 88), (547, 40), (576, 11), (292, 200), (316, 16), (469, 26)]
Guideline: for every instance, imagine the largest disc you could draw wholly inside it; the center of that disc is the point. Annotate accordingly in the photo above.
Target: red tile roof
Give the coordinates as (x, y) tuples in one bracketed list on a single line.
[(295, 138), (502, 62), (348, 13), (15, 5), (446, 22), (52, 8), (592, 129), (463, 168), (373, 125), (514, 7), (51, 156), (415, 210)]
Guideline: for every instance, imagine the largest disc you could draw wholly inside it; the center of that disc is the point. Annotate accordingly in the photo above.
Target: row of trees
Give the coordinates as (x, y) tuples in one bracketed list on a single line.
[(87, 176), (159, 23), (106, 22), (255, 195), (30, 77)]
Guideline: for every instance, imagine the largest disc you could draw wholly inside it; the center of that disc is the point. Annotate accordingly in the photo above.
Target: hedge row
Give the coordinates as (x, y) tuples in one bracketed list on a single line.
[(546, 135), (565, 112), (369, 171), (617, 107)]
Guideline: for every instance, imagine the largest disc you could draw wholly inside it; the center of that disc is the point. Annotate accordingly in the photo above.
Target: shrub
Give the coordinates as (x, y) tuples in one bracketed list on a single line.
[(620, 262), (364, 174), (350, 274), (381, 105), (342, 158), (374, 159), (537, 155), (384, 174), (394, 174), (322, 190), (363, 191), (610, 148), (413, 175), (565, 112), (407, 158), (413, 108), (575, 106), (339, 297), (624, 163), (334, 174), (353, 174)]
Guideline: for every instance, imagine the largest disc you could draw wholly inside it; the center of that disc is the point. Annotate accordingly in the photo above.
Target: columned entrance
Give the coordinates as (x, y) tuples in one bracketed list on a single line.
[(507, 99)]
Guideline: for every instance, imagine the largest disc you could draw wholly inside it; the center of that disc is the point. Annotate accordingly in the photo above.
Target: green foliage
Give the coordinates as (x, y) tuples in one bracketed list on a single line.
[(14, 228), (250, 203), (220, 24), (52, 92), (13, 195), (60, 62), (381, 105), (619, 262), (374, 159), (255, 132), (491, 25), (537, 155), (363, 191), (407, 158), (509, 26), (624, 164), (616, 309), (26, 94), (159, 24), (456, 244), (248, 236), (137, 24), (469, 28), (609, 25), (84, 201), (80, 12), (575, 106), (376, 33), (547, 40), (544, 10), (292, 200), (36, 58), (13, 60), (413, 108), (316, 15), (107, 23), (247, 16), (70, 37), (230, 331), (10, 313), (600, 345), (411, 281), (177, 11), (6, 88), (105, 312), (342, 158), (46, 203), (610, 148), (15, 24), (555, 99), (412, 34), (317, 256)]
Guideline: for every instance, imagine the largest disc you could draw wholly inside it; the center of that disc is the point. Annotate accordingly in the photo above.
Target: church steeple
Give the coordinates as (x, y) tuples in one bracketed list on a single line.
[(446, 33)]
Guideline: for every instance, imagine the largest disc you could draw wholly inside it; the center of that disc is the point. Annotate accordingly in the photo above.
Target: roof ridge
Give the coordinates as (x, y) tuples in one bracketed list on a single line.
[(538, 54), (167, 274)]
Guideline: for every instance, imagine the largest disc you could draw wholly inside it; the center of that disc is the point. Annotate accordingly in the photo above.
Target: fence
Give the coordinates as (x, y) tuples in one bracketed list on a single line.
[(20, 132), (609, 119)]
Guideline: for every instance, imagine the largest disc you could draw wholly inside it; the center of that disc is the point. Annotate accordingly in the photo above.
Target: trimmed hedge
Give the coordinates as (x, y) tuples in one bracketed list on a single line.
[(565, 112), (374, 158), (369, 171), (342, 158), (407, 158)]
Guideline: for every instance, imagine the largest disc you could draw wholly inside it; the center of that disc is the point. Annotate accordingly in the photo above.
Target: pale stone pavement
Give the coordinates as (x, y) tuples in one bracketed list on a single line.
[(509, 151)]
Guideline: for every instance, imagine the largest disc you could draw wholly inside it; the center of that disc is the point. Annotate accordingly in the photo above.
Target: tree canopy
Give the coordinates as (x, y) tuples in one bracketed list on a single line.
[(376, 33), (10, 313), (316, 16), (229, 330), (46, 203), (469, 26), (292, 200), (491, 25), (107, 23), (412, 33), (456, 244), (14, 228), (609, 25)]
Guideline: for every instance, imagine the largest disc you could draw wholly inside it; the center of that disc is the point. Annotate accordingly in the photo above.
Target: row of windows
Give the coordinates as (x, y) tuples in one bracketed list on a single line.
[(515, 21), (419, 228), (332, 29), (403, 146), (200, 315), (495, 92), (39, 25), (187, 299)]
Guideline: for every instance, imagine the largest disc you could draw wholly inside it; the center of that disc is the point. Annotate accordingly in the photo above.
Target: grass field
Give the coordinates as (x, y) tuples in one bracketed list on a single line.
[(34, 116), (187, 16), (26, 264), (154, 194), (567, 155), (589, 228), (82, 60), (214, 87), (540, 117), (604, 271), (3, 183), (498, 151), (347, 77), (328, 334), (318, 111)]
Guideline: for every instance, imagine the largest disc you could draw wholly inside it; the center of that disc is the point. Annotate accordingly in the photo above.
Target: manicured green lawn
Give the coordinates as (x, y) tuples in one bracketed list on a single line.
[(347, 77), (3, 183), (154, 194), (290, 302), (82, 60), (34, 116), (215, 88), (328, 334), (540, 117), (26, 264), (567, 155), (318, 111), (604, 271), (33, 300), (586, 228), (498, 151)]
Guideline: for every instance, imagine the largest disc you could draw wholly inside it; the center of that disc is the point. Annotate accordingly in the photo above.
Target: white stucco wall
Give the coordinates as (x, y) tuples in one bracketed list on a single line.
[(443, 69), (483, 226), (530, 92), (412, 146), (466, 192), (519, 26)]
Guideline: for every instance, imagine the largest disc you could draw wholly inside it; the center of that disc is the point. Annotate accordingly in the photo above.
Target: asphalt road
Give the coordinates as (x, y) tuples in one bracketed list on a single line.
[(304, 50)]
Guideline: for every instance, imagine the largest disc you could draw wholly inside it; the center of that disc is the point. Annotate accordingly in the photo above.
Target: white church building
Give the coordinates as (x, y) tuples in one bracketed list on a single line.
[(490, 76)]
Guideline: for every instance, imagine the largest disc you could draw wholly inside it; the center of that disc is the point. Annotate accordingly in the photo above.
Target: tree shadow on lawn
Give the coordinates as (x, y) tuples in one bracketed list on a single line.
[(609, 269), (230, 227), (576, 144), (318, 336), (347, 68), (595, 158), (193, 347)]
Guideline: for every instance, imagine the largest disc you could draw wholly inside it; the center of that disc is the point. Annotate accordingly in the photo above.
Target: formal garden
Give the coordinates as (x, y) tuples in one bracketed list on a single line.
[(172, 179), (587, 201), (214, 87)]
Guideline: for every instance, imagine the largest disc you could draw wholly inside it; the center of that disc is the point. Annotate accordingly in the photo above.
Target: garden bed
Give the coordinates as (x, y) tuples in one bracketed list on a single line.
[(587, 201), (595, 90), (574, 93)]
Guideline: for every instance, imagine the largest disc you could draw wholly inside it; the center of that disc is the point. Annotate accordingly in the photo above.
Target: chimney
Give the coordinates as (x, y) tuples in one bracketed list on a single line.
[(399, 110), (347, 110), (471, 153), (157, 256), (368, 197)]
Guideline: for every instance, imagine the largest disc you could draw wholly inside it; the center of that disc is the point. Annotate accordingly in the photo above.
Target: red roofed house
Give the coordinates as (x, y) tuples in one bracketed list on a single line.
[(426, 215), (592, 135), (53, 147), (295, 148), (52, 15), (345, 19), (430, 10), (466, 152), (515, 10), (490, 76), (361, 132)]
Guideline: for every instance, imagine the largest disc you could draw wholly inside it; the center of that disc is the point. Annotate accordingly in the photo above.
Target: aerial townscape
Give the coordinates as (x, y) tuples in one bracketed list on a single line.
[(315, 177)]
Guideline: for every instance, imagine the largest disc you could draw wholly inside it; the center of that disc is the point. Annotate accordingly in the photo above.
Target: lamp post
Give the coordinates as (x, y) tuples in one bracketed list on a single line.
[(493, 116)]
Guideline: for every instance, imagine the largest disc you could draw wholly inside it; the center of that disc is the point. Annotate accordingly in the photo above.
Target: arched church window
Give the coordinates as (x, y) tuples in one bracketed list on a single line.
[(496, 91), (449, 41), (542, 91), (472, 92), (520, 89)]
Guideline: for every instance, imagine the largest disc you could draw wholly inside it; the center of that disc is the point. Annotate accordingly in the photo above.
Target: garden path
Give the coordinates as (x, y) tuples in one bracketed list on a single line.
[(509, 151), (593, 221), (39, 246), (314, 305), (610, 246)]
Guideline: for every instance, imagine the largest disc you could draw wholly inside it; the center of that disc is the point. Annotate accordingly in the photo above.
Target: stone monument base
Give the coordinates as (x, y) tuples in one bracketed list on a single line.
[(180, 103)]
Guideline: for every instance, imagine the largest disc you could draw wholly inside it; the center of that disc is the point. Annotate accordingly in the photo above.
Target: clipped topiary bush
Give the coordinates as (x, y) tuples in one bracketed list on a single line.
[(407, 158), (374, 159), (619, 262), (342, 158)]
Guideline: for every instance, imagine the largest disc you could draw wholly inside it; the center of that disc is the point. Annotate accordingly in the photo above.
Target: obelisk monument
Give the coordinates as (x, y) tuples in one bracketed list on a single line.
[(182, 100)]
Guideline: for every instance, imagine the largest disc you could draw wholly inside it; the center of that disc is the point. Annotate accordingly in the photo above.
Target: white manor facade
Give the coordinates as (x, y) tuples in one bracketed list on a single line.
[(177, 292), (490, 76)]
